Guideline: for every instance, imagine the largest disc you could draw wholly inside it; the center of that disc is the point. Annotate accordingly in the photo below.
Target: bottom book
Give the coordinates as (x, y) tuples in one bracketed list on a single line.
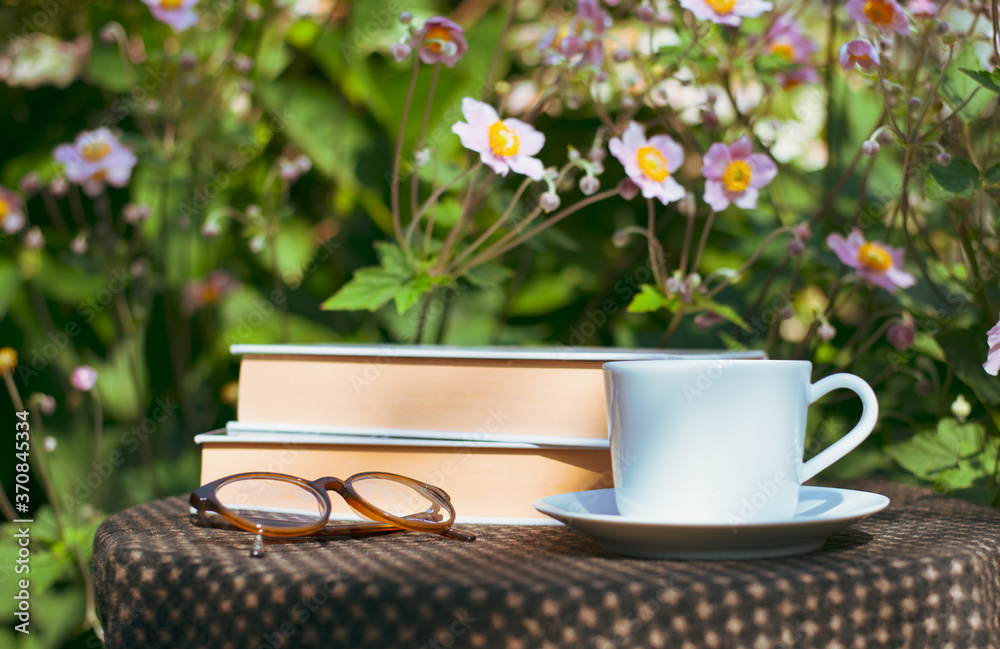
[(488, 483)]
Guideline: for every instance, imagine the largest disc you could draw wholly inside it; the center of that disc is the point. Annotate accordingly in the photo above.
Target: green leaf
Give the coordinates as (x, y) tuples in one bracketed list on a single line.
[(410, 292), (10, 284), (392, 258), (930, 452), (988, 80), (726, 312), (958, 179), (489, 277), (958, 86), (965, 354), (295, 245), (991, 179), (368, 290), (648, 300)]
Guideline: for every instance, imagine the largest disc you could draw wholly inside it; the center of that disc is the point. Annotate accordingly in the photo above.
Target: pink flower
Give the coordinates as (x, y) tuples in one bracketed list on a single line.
[(83, 378), (795, 78), (650, 163), (887, 15), (787, 40), (734, 174), (179, 14), (94, 158), (859, 52), (502, 144), (11, 211), (922, 8), (440, 41), (992, 364), (208, 290), (875, 262), (726, 12)]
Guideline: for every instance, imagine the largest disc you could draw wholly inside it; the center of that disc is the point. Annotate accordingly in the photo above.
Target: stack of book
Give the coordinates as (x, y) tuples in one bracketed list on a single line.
[(497, 428)]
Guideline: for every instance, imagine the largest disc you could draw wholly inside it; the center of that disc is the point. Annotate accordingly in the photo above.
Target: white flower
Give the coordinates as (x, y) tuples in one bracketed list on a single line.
[(503, 144)]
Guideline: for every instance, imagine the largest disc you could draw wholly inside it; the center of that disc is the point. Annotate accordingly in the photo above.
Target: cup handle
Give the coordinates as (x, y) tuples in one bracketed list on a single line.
[(848, 442)]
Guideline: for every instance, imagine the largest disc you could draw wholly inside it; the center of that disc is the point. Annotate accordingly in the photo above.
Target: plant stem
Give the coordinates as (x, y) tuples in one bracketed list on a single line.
[(498, 249), (657, 259), (703, 241), (688, 233), (98, 435), (415, 176), (397, 224), (748, 263), (495, 225), (53, 209)]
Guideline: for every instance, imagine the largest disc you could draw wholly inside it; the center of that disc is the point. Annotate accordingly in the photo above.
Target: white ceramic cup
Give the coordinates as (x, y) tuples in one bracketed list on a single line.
[(718, 441)]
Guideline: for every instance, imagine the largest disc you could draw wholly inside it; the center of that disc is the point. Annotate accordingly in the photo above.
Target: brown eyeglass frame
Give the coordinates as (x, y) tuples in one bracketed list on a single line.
[(205, 499)]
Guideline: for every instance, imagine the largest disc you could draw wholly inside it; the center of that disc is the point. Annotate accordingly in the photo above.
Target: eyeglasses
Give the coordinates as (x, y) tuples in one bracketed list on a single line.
[(283, 506)]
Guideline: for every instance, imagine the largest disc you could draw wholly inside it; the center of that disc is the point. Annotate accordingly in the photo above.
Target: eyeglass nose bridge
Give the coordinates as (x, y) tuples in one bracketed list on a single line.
[(332, 484)]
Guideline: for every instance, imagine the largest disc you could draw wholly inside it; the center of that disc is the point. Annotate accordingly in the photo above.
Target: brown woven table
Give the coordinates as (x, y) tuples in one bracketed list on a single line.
[(925, 572)]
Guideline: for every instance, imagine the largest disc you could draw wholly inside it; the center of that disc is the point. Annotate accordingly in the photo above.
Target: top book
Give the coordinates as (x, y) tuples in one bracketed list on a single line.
[(541, 395)]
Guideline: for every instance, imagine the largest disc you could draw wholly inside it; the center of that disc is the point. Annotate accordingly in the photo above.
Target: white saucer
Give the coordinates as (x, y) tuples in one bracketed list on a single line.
[(821, 512)]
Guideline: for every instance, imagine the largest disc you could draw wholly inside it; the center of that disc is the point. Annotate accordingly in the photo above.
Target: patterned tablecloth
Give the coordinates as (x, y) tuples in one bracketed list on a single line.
[(925, 572)]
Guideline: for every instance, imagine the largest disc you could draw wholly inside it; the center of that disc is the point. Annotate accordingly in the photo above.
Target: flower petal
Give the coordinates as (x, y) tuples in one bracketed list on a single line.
[(673, 152), (479, 114), (634, 137), (747, 199), (845, 251), (497, 164), (715, 195), (530, 167), (474, 139), (762, 170), (530, 139), (900, 277), (715, 161)]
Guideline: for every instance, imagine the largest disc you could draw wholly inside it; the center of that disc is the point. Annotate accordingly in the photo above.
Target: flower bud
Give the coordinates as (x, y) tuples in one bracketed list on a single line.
[(619, 239), (597, 167), (502, 88), (421, 157), (915, 102), (210, 229), (597, 154), (78, 245), (400, 52), (107, 33), (49, 444), (786, 312), (406, 18), (34, 239), (241, 63), (886, 137), (795, 247), (549, 201), (621, 55), (645, 12), (570, 46), (706, 319), (30, 183), (826, 332), (589, 185), (59, 186), (902, 333), (674, 285), (628, 189), (256, 243), (253, 212), (601, 76), (573, 154), (135, 213), (870, 148), (922, 387), (943, 158), (961, 408), (709, 118), (83, 378), (253, 12)]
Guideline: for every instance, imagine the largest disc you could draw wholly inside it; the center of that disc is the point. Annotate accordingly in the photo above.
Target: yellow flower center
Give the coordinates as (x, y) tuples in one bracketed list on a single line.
[(170, 4), (721, 6), (880, 13), (737, 176), (4, 209), (503, 140), (433, 34), (652, 163), (95, 151), (784, 50), (8, 359), (875, 257)]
